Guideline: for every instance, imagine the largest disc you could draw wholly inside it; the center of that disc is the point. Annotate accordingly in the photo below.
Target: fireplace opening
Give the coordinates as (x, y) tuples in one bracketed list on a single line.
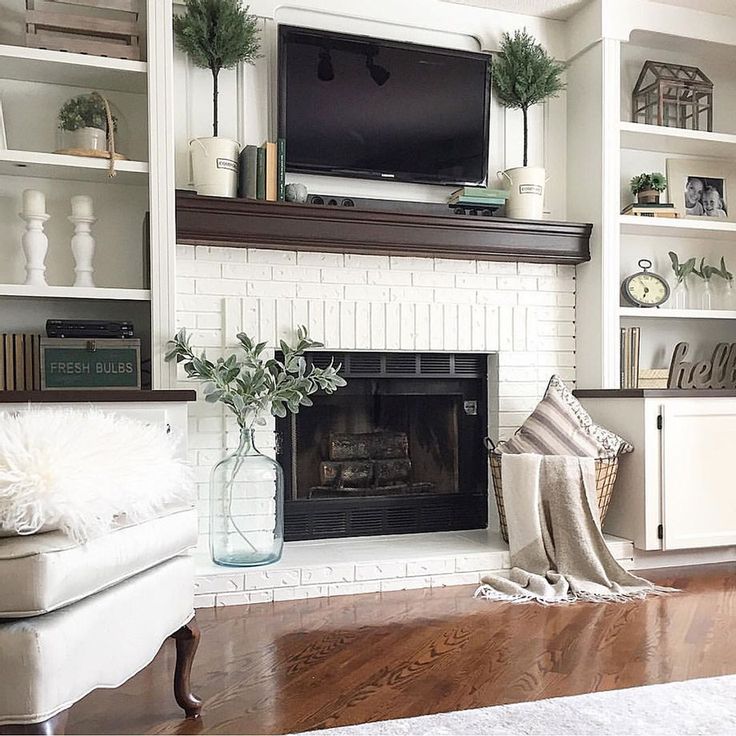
[(398, 450)]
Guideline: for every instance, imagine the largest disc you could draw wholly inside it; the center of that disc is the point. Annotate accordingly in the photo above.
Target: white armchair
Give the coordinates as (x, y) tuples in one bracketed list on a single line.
[(74, 617)]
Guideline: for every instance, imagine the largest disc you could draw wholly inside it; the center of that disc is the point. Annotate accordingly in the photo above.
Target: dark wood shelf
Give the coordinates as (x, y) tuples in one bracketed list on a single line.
[(654, 393), (94, 396), (243, 223)]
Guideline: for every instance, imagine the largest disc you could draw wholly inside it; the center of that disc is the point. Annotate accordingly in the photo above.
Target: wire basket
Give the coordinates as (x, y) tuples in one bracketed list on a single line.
[(606, 470)]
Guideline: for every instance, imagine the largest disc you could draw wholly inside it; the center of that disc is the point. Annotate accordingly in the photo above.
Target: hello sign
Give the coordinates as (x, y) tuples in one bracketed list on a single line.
[(718, 372)]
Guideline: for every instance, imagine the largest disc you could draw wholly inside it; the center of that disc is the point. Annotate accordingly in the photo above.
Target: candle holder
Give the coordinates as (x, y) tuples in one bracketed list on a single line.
[(83, 249), (35, 246)]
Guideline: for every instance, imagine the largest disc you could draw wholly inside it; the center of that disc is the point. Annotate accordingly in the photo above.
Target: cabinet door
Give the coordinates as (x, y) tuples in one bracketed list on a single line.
[(699, 473)]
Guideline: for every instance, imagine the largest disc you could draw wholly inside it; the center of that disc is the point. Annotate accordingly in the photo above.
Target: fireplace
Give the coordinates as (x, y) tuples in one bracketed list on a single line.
[(398, 450)]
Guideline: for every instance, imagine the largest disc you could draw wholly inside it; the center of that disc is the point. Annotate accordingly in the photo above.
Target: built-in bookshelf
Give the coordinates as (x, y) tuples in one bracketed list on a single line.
[(134, 228)]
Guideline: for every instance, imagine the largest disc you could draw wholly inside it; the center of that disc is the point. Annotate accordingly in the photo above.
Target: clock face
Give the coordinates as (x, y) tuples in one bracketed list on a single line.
[(647, 289)]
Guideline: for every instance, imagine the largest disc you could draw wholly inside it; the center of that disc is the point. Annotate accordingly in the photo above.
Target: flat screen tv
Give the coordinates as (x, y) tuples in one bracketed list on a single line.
[(369, 108)]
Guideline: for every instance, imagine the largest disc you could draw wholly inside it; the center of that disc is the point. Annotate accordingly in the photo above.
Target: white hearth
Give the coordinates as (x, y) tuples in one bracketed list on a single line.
[(523, 313)]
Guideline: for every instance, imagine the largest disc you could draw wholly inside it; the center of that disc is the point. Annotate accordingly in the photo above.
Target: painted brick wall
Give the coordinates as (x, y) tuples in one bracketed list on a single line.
[(525, 312)]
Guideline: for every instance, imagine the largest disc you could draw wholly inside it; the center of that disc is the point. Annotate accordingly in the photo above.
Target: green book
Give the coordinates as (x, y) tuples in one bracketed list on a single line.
[(281, 170), (248, 173), (261, 173)]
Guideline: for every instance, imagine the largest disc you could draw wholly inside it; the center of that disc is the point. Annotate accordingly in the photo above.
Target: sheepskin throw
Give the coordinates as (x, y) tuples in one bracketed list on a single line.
[(79, 471)]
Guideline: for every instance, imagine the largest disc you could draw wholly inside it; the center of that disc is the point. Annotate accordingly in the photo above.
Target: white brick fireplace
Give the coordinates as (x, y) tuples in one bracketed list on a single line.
[(523, 312)]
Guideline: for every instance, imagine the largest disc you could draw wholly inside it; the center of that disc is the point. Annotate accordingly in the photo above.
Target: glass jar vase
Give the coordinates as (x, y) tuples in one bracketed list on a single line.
[(681, 295), (706, 295), (246, 507), (728, 296)]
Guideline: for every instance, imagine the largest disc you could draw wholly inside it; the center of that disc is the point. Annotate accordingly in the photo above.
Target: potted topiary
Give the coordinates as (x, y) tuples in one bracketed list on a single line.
[(216, 35), (86, 118), (647, 187), (524, 75)]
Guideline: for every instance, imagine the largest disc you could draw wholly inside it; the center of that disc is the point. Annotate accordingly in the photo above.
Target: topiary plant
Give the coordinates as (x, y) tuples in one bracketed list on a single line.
[(216, 35), (85, 111), (525, 75)]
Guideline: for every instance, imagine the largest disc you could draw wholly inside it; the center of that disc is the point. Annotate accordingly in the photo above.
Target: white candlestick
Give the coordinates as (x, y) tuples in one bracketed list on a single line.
[(34, 203), (82, 206), (83, 247), (35, 245)]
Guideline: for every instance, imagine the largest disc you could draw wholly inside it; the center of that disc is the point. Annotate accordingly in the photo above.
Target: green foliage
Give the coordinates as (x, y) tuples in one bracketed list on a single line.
[(85, 111), (216, 35), (682, 270), (723, 272), (642, 182), (254, 385), (524, 75)]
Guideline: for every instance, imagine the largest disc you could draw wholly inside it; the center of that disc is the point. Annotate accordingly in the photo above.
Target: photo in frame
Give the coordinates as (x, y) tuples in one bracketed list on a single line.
[(702, 188)]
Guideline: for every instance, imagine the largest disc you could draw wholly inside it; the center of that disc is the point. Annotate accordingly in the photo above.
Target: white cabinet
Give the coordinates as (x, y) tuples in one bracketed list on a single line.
[(677, 490)]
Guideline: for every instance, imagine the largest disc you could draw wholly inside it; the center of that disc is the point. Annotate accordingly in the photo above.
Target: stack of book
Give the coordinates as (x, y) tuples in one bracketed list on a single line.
[(660, 209), (630, 343), (262, 172), (20, 362), (479, 197)]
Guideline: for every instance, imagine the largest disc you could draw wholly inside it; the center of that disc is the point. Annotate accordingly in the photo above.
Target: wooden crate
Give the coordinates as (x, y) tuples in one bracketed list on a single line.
[(117, 36)]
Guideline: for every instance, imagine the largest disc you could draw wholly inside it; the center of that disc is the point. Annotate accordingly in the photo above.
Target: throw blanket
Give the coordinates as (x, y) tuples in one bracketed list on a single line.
[(80, 471), (558, 553)]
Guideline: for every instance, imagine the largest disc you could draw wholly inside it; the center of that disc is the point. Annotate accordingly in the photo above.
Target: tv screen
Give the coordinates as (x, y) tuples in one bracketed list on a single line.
[(364, 107)]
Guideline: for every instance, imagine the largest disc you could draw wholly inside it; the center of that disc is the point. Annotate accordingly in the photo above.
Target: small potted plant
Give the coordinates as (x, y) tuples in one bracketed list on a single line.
[(648, 187), (252, 385), (524, 75), (216, 35), (86, 118)]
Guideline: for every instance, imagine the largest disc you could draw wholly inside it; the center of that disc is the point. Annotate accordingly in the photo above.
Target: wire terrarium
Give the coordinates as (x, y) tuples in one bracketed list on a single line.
[(673, 95)]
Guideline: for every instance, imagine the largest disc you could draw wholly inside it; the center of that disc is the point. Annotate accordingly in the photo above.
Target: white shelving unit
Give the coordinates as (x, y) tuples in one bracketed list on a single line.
[(34, 83), (605, 149), (646, 314), (72, 168), (75, 292), (74, 70)]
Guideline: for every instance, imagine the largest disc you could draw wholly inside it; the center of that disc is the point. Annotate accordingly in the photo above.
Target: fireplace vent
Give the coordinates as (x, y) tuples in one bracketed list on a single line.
[(404, 365)]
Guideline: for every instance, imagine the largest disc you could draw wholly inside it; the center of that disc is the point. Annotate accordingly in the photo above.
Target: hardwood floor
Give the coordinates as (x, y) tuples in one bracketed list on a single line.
[(288, 667)]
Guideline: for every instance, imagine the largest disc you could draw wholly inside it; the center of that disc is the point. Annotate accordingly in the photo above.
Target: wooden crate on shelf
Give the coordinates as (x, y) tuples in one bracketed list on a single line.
[(110, 30)]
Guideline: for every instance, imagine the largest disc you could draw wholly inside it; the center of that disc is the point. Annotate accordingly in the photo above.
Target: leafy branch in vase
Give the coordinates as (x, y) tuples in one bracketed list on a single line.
[(252, 385), (682, 270)]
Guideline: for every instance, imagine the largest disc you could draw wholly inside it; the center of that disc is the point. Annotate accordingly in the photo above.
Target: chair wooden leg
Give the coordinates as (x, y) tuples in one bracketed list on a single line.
[(187, 641), (55, 726)]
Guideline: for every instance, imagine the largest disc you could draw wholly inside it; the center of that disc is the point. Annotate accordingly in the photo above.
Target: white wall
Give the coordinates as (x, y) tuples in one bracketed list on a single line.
[(248, 95)]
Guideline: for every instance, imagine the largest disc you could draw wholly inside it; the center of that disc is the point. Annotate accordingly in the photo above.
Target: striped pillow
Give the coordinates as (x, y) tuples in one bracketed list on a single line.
[(560, 426)]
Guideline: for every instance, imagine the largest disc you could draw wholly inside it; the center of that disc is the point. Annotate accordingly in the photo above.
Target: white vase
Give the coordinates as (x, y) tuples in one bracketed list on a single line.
[(526, 192), (89, 139), (215, 166)]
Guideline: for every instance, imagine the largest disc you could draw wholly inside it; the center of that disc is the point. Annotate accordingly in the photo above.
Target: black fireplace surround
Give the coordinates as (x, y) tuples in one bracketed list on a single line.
[(398, 450)]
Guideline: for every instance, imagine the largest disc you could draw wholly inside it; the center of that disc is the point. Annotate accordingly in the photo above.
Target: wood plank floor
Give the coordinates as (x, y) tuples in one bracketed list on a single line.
[(287, 667)]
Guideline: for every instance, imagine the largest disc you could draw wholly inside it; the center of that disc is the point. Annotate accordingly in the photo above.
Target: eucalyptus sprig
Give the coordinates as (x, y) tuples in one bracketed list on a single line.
[(253, 385), (723, 272), (682, 270), (705, 271)]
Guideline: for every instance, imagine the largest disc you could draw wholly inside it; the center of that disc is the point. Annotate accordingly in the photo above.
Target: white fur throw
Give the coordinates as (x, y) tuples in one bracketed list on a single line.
[(77, 470)]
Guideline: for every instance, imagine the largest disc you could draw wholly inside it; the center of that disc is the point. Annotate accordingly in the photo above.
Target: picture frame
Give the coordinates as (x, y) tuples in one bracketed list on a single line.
[(701, 188), (3, 132)]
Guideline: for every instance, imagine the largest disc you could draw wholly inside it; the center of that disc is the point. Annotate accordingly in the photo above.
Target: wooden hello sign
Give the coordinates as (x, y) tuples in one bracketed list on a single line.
[(718, 372)]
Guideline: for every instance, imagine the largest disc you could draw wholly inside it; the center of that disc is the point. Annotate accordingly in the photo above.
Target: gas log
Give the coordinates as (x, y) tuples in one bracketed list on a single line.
[(369, 445)]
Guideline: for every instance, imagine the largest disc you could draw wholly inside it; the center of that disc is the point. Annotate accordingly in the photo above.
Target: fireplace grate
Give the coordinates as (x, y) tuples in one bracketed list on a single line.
[(404, 365)]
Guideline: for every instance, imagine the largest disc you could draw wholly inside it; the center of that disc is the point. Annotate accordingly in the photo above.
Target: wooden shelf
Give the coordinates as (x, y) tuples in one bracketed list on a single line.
[(242, 223), (705, 227), (96, 396), (641, 137), (74, 292), (665, 313), (77, 70), (72, 168)]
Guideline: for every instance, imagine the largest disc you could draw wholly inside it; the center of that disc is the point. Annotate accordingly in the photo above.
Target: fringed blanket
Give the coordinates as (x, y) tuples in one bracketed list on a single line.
[(558, 553)]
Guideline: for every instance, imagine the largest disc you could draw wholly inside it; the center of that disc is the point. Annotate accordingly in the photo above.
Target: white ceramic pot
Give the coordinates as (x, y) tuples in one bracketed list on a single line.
[(89, 139), (215, 166), (526, 192)]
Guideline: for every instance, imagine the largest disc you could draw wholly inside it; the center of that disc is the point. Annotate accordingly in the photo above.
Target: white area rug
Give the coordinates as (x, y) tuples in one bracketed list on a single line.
[(706, 706)]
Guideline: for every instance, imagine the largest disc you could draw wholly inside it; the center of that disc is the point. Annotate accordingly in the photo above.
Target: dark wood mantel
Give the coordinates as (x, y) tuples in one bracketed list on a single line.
[(242, 223)]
